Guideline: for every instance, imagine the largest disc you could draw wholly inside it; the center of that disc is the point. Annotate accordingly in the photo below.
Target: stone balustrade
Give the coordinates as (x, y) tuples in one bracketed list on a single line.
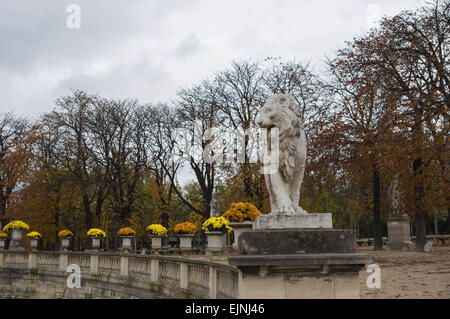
[(134, 275)]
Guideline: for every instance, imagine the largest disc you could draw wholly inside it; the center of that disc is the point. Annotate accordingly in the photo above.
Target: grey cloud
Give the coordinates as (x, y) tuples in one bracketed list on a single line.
[(150, 47), (189, 46)]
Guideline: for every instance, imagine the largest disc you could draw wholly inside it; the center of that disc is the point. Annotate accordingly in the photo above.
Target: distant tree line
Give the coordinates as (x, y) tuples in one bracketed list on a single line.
[(382, 108)]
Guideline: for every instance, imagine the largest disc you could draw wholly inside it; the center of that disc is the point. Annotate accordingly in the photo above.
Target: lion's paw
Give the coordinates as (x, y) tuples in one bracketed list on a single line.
[(285, 210), (301, 211)]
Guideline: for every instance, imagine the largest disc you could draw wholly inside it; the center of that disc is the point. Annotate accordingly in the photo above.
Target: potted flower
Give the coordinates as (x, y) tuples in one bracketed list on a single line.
[(16, 228), (34, 239), (96, 235), (65, 235), (156, 231), (241, 217), (127, 235), (215, 228), (185, 232), (3, 238)]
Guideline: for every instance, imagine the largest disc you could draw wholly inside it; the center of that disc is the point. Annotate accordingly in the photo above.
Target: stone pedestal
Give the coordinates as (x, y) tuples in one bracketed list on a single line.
[(309, 276), (299, 263), (313, 221), (399, 237)]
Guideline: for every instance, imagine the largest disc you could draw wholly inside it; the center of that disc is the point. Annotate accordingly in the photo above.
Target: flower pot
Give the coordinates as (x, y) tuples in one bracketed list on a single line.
[(65, 243), (156, 242), (17, 242), (16, 234), (127, 242), (186, 241), (96, 242), (2, 244), (34, 243), (215, 242), (238, 229)]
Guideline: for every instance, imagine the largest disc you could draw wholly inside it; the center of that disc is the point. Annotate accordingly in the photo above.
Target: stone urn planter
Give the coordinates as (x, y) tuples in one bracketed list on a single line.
[(65, 243), (156, 242), (238, 229), (127, 242), (34, 242), (16, 234), (185, 241), (216, 242), (16, 240), (96, 241)]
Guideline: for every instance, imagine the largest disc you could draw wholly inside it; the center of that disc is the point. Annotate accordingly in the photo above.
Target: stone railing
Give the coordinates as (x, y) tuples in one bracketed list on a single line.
[(162, 275)]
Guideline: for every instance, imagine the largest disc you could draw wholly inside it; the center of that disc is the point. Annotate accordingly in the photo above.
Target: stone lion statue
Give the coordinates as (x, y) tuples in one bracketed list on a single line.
[(282, 112)]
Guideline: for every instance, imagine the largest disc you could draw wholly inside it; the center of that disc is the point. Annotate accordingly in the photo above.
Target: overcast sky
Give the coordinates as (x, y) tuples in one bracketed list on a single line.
[(149, 49)]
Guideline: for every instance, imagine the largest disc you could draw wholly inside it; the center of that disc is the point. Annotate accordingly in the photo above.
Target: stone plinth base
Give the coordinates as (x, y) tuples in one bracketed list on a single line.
[(299, 276), (309, 241), (399, 237), (298, 263), (272, 221)]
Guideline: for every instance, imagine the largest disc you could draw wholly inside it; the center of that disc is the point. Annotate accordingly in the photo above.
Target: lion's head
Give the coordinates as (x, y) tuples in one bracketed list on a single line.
[(282, 112)]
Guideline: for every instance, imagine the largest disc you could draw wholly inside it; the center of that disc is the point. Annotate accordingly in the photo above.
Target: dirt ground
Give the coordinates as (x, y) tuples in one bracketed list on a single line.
[(409, 274)]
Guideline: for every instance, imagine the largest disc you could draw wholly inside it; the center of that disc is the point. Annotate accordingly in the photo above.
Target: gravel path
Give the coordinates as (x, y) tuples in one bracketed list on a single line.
[(409, 275)]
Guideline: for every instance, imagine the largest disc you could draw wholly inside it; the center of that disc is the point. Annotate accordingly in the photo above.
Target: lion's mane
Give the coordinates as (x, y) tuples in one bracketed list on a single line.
[(290, 132)]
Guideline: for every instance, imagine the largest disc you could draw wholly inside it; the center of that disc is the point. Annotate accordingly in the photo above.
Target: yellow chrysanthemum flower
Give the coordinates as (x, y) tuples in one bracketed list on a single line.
[(96, 232), (17, 224), (126, 231), (157, 230), (185, 228), (240, 212), (34, 234), (216, 224), (65, 233)]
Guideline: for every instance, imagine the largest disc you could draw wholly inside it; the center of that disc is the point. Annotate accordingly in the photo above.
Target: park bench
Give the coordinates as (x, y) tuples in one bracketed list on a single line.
[(444, 239), (369, 241)]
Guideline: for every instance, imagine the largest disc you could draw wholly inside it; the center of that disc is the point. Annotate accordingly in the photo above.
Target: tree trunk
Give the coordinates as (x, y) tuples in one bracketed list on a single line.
[(421, 232), (421, 235), (165, 216), (2, 211), (436, 228), (87, 212), (378, 239), (448, 219)]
